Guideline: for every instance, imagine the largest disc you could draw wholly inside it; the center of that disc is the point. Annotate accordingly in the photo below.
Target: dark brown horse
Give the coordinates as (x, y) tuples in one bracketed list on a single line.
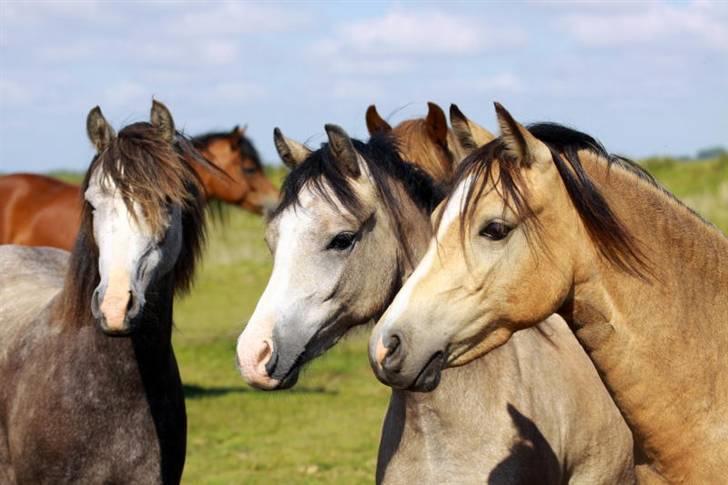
[(91, 392), (37, 210)]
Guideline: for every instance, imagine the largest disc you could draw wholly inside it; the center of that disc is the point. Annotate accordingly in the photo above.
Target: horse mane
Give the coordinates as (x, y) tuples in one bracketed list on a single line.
[(381, 153), (238, 140), (150, 174), (612, 238), (415, 144)]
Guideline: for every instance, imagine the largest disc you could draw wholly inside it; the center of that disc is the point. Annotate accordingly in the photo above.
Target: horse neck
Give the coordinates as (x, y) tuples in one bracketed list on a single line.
[(663, 337), (155, 327)]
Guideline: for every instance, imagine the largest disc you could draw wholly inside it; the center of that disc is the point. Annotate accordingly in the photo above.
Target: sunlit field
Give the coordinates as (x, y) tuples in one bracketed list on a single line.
[(326, 430)]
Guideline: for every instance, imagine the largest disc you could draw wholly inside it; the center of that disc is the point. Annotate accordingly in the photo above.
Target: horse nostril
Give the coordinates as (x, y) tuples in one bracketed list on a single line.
[(270, 366), (393, 358), (95, 304), (133, 306), (392, 344)]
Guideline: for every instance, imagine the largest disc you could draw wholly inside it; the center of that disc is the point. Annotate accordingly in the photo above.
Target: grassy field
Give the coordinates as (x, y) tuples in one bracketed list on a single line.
[(702, 185), (325, 430)]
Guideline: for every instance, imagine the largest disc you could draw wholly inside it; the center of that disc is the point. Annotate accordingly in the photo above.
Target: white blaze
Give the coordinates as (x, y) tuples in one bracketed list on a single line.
[(449, 217), (121, 241)]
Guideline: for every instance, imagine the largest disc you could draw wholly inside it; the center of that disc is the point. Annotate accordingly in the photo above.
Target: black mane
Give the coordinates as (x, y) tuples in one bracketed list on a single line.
[(382, 157), (568, 140)]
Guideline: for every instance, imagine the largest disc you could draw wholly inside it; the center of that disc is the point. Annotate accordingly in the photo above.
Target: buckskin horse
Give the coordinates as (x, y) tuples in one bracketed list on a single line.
[(544, 220)]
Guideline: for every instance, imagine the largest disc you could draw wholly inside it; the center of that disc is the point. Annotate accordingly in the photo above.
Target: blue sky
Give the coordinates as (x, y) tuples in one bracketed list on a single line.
[(645, 78)]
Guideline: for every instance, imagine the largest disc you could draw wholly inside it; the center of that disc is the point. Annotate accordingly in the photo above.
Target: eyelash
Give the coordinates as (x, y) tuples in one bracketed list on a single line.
[(495, 230), (342, 241)]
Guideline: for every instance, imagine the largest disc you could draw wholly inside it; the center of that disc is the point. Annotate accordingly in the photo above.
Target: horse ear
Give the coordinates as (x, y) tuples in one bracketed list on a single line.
[(375, 123), (469, 134), (99, 130), (519, 142), (162, 119), (291, 152), (343, 149), (436, 123)]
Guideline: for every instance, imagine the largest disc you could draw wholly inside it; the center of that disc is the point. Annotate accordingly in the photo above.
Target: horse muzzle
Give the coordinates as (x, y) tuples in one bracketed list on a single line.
[(116, 311)]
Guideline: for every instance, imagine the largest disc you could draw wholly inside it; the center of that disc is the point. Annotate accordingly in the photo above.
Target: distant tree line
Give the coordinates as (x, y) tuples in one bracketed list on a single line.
[(712, 152)]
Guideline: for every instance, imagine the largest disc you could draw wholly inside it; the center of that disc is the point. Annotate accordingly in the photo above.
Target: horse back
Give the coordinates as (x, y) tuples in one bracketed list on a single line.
[(29, 279), (37, 210)]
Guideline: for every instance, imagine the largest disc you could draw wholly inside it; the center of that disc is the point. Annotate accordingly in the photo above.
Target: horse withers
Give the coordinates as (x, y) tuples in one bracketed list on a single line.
[(91, 390), (37, 210)]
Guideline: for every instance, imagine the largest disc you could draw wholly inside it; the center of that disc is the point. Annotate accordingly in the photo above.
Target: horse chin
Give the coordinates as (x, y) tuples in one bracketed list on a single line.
[(429, 377), (289, 380), (124, 331)]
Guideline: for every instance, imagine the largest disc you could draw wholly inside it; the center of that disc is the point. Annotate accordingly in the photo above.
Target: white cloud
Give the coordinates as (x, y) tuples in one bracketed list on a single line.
[(125, 94), (401, 38), (70, 52), (233, 18), (238, 91), (702, 22), (182, 54), (346, 65), (412, 33), (361, 91), (501, 82), (39, 10), (420, 33), (14, 94), (217, 52)]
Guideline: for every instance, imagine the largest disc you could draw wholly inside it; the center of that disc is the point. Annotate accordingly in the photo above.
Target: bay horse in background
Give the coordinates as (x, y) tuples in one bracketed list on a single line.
[(545, 220), (91, 392), (246, 184), (429, 143), (353, 221), (37, 210), (427, 140)]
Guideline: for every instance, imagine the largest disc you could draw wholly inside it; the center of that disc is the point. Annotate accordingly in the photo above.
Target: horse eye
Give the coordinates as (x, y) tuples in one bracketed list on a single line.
[(342, 241), (495, 231), (249, 170)]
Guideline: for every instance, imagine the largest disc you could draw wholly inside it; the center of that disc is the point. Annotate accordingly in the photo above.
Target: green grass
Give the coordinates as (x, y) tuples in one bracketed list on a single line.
[(702, 185), (326, 430)]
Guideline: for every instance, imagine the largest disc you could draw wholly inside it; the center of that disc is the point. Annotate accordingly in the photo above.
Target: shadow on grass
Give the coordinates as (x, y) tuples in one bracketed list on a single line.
[(193, 391)]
